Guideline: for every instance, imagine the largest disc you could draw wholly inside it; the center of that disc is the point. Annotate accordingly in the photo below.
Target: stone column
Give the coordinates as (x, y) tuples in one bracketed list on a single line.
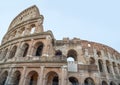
[(27, 30), (8, 77), (64, 76), (18, 54), (44, 80), (31, 48), (40, 81), (39, 26), (104, 67), (22, 80), (112, 69)]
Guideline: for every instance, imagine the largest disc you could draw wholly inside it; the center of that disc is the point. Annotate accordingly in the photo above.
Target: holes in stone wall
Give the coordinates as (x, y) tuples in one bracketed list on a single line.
[(100, 63), (104, 83), (89, 81), (52, 78), (58, 53), (73, 81), (38, 48), (72, 55), (13, 52), (3, 78), (92, 61), (98, 53)]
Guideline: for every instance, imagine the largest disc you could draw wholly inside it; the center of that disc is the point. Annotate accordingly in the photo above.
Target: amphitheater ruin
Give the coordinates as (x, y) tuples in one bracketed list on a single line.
[(31, 56)]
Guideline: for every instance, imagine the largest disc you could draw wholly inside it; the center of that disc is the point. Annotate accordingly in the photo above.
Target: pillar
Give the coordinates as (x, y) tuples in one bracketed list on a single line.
[(64, 76), (39, 26), (9, 77), (31, 48), (40, 81), (27, 30), (22, 80)]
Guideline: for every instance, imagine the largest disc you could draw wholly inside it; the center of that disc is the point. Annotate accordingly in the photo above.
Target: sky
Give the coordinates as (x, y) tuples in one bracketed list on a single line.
[(92, 20)]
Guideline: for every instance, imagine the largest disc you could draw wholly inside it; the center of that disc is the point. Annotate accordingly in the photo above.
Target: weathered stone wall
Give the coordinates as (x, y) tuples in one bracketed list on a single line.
[(31, 56)]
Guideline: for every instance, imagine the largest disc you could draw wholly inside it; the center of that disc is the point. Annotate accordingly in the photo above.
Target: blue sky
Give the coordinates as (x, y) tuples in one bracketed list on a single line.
[(93, 20)]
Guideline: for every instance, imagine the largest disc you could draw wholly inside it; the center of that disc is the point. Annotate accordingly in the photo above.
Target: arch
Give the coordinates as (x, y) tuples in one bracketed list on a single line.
[(32, 29), (114, 67), (73, 81), (58, 53), (24, 50), (4, 54), (89, 81), (72, 54), (16, 78), (92, 61), (100, 63), (112, 83), (13, 52), (104, 83), (108, 66), (38, 48), (98, 53), (3, 78), (32, 78), (52, 78)]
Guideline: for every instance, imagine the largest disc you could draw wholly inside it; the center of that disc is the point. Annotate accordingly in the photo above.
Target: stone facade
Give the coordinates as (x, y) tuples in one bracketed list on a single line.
[(31, 56)]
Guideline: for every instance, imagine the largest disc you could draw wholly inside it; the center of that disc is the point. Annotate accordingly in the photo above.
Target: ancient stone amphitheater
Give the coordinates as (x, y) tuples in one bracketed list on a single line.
[(31, 56)]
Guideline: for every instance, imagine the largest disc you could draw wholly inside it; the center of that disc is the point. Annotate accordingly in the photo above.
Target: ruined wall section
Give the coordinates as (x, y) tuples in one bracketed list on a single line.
[(86, 50), (27, 22)]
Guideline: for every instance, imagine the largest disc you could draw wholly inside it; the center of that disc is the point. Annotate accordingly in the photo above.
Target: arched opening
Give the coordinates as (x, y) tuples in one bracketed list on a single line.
[(58, 53), (89, 81), (25, 49), (52, 78), (72, 55), (32, 29), (114, 67), (98, 53), (3, 78), (100, 63), (108, 66), (104, 83), (70, 59), (92, 61), (12, 52), (3, 55), (16, 78), (39, 49), (73, 81), (32, 78), (112, 83)]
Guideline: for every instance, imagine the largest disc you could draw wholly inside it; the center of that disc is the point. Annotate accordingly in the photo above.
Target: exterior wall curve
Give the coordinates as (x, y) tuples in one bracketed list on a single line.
[(91, 60)]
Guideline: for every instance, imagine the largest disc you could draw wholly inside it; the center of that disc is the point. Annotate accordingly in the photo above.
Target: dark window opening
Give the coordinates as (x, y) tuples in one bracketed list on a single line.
[(58, 53), (73, 81), (55, 81), (98, 53), (25, 50), (100, 65), (39, 50), (89, 81)]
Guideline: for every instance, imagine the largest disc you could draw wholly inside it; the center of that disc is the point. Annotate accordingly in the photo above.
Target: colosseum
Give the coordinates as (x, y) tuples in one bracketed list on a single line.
[(31, 56)]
